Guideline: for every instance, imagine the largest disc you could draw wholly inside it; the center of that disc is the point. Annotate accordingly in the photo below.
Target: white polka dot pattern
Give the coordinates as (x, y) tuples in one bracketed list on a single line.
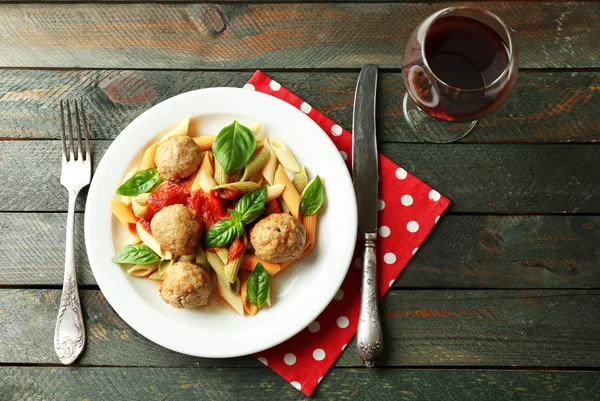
[(263, 361), (380, 204), (319, 354), (297, 385), (314, 327), (406, 200), (401, 174), (305, 107), (289, 359), (342, 322), (275, 85), (434, 195), (336, 130), (339, 295), (389, 258), (249, 87), (415, 251), (384, 231), (344, 155), (412, 226)]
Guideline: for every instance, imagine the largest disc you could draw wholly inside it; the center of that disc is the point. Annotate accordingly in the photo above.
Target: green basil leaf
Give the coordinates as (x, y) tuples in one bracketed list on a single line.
[(141, 182), (235, 215), (258, 287), (138, 254), (251, 205), (233, 146), (312, 199), (221, 234)]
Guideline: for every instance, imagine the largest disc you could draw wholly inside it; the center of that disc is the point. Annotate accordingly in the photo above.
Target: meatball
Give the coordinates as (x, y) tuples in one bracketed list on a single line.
[(185, 285), (177, 157), (278, 237), (176, 229)]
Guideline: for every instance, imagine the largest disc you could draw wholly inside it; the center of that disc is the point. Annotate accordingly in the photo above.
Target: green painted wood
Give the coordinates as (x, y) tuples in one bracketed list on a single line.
[(99, 384), (545, 107), (192, 36), (462, 252), (556, 328), (477, 178)]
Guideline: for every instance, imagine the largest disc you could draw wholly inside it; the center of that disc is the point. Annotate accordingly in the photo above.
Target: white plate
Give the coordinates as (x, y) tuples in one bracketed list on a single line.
[(301, 291)]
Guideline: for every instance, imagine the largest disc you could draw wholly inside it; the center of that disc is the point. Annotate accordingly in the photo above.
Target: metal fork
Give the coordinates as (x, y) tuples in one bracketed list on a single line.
[(69, 335)]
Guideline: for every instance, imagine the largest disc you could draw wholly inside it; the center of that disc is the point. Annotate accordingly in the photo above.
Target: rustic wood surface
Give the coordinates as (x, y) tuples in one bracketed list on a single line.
[(551, 328), (476, 178), (502, 302), (545, 107), (141, 384), (228, 36), (462, 252)]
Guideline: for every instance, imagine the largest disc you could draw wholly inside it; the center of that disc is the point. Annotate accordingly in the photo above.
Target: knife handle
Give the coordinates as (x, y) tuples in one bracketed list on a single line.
[(369, 337)]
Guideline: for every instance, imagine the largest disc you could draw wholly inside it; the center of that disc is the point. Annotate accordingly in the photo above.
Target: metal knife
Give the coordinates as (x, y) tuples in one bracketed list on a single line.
[(365, 177)]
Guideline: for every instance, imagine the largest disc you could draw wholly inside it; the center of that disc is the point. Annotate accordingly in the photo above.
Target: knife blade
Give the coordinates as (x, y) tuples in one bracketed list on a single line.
[(364, 149), (365, 177)]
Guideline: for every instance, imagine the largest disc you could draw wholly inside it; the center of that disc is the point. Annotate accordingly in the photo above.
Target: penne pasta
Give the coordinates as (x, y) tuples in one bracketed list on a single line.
[(232, 298), (269, 169), (142, 270), (260, 143), (284, 155), (207, 167), (140, 199), (207, 163), (231, 268), (201, 258), (148, 158), (290, 196), (204, 142), (300, 180), (187, 258), (206, 182), (310, 226), (149, 240), (235, 189), (274, 191), (127, 199), (217, 265), (163, 265), (256, 163), (180, 129), (220, 176), (249, 261), (124, 214), (141, 211), (133, 239), (255, 128)]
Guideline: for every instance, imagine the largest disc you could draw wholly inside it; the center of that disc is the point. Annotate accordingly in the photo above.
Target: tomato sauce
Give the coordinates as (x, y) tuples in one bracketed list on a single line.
[(236, 248), (212, 210), (172, 193), (229, 193)]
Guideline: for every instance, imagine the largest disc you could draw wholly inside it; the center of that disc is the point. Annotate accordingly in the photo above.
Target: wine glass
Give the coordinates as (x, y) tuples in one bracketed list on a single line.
[(459, 65)]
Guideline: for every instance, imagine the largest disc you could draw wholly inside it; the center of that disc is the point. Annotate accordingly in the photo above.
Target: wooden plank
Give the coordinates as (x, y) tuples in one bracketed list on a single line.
[(462, 252), (544, 107), (251, 384), (477, 178), (422, 328), (328, 35)]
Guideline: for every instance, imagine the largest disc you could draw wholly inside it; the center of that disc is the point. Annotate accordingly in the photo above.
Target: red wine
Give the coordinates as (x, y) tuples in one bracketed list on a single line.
[(465, 53), (464, 56)]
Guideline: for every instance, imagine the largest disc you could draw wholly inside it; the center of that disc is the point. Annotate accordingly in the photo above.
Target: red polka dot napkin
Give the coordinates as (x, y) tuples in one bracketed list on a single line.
[(409, 209)]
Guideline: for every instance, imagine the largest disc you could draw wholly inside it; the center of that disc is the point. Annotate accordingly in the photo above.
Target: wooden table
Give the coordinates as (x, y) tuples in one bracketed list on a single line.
[(501, 302)]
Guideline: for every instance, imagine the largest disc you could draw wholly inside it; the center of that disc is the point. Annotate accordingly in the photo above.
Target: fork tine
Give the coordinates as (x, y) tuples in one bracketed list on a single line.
[(78, 123), (72, 148), (62, 132), (88, 155)]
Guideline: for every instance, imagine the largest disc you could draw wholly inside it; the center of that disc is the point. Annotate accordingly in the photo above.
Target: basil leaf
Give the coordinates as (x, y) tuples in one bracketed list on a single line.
[(235, 215), (222, 233), (138, 254), (141, 182), (252, 204), (233, 146), (258, 286), (312, 199)]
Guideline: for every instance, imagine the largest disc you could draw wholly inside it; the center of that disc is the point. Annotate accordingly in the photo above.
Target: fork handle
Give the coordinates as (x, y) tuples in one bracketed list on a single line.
[(69, 335), (369, 341)]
